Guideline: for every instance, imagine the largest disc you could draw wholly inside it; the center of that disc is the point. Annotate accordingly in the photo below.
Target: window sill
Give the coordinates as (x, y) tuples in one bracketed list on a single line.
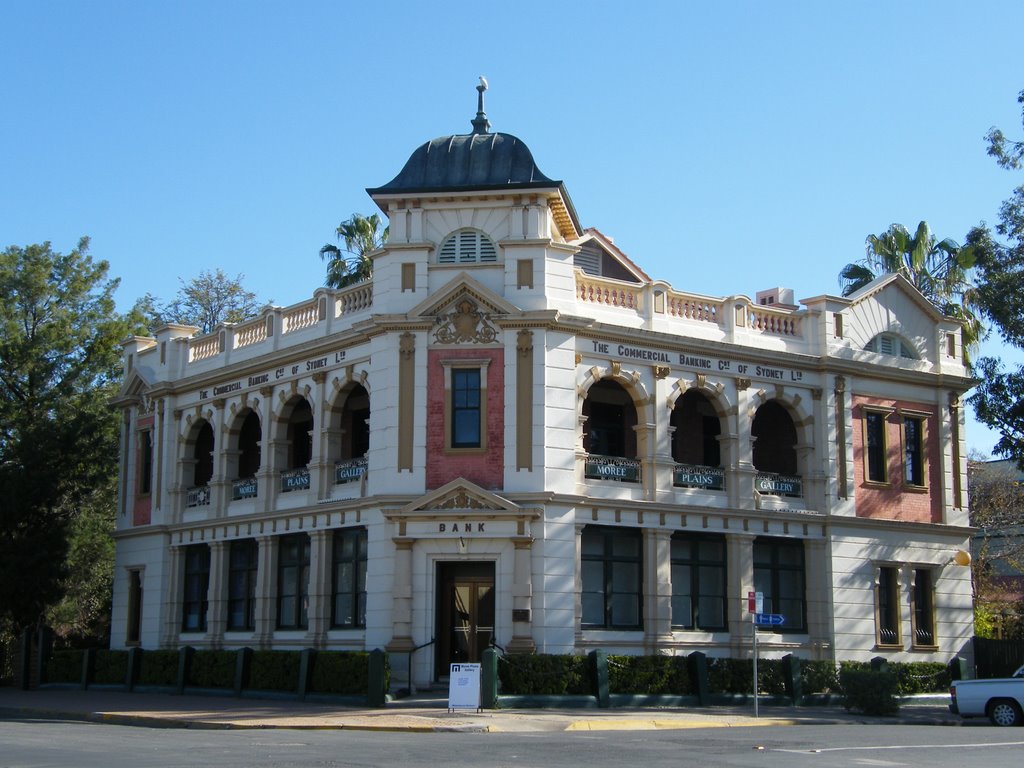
[(925, 648), (908, 488), (878, 484), (465, 451), (889, 646)]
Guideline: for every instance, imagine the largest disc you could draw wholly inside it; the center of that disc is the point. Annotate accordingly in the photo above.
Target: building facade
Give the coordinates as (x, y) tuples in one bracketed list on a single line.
[(512, 435)]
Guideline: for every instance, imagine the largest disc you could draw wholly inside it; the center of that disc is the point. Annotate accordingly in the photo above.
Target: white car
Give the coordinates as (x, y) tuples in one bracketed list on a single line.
[(1000, 700)]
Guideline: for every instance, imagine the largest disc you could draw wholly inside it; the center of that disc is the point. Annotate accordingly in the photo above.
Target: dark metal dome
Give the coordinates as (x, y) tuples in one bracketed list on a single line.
[(467, 162)]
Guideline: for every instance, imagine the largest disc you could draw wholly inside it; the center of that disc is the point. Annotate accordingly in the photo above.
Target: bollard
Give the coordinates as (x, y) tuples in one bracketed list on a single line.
[(243, 660), (184, 663), (600, 661), (376, 696), (134, 663), (791, 673), (489, 679), (698, 664), (307, 657)]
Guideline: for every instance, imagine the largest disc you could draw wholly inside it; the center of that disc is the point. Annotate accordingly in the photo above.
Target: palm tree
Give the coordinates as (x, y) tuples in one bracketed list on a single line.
[(940, 270), (361, 235)]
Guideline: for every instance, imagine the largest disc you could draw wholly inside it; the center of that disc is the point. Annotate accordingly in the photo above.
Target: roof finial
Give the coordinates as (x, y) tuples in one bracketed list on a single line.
[(481, 124)]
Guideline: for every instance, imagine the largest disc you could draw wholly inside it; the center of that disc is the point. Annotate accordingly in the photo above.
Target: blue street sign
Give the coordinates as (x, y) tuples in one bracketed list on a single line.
[(769, 619)]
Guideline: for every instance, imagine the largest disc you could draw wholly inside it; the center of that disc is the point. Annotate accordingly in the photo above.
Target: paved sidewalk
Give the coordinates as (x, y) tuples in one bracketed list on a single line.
[(421, 714)]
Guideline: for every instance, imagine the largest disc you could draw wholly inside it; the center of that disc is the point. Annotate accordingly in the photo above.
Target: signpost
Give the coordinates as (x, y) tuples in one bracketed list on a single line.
[(464, 687)]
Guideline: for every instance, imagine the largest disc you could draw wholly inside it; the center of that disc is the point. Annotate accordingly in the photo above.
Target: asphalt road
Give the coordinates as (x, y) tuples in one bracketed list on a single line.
[(39, 743)]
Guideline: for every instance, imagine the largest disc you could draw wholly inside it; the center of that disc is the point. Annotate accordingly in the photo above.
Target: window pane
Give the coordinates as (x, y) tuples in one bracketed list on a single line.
[(593, 608), (625, 610), (712, 613), (625, 577), (682, 615), (625, 544)]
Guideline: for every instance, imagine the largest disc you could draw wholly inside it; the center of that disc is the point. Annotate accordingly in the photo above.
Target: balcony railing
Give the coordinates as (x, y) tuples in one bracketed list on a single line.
[(349, 470), (198, 496), (295, 480), (616, 468), (772, 484), (244, 488), (696, 476)]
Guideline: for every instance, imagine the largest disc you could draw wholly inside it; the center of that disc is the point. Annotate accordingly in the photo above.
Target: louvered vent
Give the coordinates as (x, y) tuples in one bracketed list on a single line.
[(467, 246), (589, 262)]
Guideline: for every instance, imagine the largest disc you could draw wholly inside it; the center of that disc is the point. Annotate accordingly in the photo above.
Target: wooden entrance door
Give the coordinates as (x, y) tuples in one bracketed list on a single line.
[(465, 613)]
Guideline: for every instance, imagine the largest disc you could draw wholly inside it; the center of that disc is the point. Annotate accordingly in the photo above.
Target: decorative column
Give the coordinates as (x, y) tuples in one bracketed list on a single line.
[(220, 483), (648, 468), (740, 477), (266, 591), (401, 598), (265, 475), (159, 455), (406, 399), (318, 459), (524, 400), (318, 612), (522, 597), (818, 575), (842, 472), (217, 612), (657, 588), (171, 611), (739, 581)]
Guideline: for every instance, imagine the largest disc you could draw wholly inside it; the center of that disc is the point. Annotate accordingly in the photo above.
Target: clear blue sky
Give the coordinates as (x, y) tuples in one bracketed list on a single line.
[(727, 147)]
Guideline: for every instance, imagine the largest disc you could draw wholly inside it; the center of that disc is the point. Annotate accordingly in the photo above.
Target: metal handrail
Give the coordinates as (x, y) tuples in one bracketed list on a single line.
[(412, 688)]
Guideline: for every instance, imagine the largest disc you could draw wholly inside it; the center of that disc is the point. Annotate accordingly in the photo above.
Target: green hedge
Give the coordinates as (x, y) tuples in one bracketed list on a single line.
[(921, 677), (158, 668), (213, 669), (111, 667), (274, 671), (545, 675), (649, 674), (64, 666), (872, 692), (737, 675), (344, 672), (818, 677)]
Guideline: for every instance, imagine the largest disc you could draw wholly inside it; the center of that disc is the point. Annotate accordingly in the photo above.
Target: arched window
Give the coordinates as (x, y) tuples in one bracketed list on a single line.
[(249, 437), (697, 427), (611, 417), (467, 246), (891, 344), (300, 434), (775, 440), (203, 455)]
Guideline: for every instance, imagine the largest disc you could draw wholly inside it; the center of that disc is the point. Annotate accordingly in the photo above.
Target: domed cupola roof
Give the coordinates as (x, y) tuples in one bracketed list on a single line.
[(472, 161)]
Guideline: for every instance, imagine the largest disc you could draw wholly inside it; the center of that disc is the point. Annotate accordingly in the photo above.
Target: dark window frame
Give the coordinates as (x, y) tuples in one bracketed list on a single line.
[(887, 602), (145, 462), (293, 558), (922, 609), (613, 564), (466, 410), (243, 568), (698, 566), (348, 576), (770, 581), (195, 602), (914, 442), (876, 458)]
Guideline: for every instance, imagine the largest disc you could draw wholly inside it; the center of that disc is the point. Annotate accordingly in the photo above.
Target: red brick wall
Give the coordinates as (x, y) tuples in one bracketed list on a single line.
[(894, 500), (486, 469)]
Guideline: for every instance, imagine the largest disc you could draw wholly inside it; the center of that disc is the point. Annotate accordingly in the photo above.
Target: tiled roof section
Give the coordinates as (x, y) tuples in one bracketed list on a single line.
[(468, 161)]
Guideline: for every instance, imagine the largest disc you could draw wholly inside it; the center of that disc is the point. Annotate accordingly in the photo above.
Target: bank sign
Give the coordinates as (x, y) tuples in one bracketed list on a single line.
[(697, 362), (311, 365)]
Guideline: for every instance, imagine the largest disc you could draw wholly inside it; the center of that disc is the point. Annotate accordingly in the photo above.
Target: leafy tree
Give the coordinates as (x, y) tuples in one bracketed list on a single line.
[(205, 301), (361, 235), (60, 361), (939, 269), (999, 399)]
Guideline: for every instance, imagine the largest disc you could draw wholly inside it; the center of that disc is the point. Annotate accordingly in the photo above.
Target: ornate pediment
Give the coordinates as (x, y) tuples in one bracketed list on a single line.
[(459, 497), (465, 323)]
